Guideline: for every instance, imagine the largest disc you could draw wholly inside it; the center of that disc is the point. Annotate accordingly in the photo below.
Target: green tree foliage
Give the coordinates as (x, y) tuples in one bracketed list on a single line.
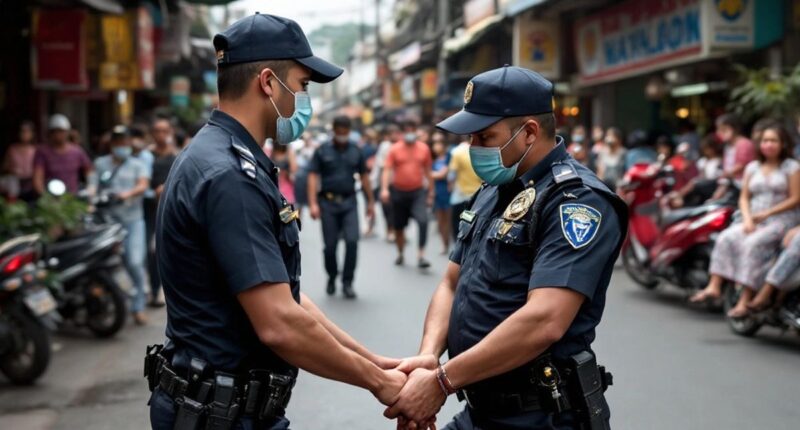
[(341, 37), (49, 216), (762, 95)]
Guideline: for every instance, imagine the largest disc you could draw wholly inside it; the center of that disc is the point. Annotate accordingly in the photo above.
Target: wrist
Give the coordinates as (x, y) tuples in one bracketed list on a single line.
[(444, 382)]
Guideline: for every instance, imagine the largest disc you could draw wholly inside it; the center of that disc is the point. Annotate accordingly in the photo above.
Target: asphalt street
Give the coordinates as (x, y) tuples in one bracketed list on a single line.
[(674, 367)]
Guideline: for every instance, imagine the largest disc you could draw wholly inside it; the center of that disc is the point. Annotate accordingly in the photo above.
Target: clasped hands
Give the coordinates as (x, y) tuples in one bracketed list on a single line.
[(416, 401)]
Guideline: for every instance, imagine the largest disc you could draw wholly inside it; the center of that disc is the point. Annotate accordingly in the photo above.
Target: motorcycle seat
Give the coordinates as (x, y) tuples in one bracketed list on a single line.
[(681, 214), (81, 239)]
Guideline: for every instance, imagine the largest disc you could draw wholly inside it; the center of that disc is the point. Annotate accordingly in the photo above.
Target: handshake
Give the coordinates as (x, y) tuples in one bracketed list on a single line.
[(412, 391)]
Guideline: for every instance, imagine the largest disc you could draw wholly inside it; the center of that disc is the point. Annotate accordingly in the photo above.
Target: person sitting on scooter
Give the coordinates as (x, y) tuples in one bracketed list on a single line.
[(769, 206), (128, 178), (701, 187), (779, 275)]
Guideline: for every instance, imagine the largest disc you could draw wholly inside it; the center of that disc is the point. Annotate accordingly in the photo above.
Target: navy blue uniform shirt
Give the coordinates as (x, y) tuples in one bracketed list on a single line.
[(498, 270), (219, 232), (336, 166)]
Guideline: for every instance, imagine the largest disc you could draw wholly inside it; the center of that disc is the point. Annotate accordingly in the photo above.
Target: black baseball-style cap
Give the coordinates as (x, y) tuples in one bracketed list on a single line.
[(497, 94), (262, 37)]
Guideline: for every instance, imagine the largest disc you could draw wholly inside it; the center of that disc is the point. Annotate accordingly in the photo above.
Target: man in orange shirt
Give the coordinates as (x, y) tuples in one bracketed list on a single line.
[(408, 170)]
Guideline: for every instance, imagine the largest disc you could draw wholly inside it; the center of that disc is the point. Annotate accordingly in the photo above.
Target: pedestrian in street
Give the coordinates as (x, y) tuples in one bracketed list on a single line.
[(408, 170), (303, 154), (441, 199), (164, 152), (18, 162), (60, 159), (284, 160), (739, 150), (464, 183), (141, 148), (238, 327), (526, 285), (369, 147), (332, 199), (127, 178), (611, 158), (390, 135)]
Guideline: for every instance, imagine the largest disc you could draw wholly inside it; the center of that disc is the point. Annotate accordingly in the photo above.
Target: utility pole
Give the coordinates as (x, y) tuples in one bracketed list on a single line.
[(441, 68)]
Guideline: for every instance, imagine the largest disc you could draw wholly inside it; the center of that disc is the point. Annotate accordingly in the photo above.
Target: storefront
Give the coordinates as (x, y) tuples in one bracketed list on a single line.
[(650, 64)]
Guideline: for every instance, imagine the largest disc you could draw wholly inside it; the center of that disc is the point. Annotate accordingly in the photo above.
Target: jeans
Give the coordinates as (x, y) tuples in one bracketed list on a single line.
[(135, 251)]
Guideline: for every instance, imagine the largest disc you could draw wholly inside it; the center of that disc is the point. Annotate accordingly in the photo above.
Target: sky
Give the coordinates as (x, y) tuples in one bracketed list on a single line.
[(311, 14)]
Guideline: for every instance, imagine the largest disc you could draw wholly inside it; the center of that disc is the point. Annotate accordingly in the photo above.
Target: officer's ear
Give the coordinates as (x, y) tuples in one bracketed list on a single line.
[(265, 80), (532, 131)]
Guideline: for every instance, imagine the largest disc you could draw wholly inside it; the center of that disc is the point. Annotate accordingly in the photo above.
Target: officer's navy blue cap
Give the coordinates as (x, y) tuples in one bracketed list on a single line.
[(497, 94), (268, 37)]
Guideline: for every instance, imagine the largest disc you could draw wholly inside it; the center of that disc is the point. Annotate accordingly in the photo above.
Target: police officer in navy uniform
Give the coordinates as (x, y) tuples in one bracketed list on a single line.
[(332, 197), (526, 284), (238, 327)]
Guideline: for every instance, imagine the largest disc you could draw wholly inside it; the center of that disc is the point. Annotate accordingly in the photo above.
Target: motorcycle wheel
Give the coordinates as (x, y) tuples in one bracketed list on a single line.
[(31, 353), (746, 327), (636, 271), (106, 305)]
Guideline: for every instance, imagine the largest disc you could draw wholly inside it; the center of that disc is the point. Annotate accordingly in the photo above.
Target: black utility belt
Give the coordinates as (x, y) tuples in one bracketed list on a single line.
[(576, 384), (215, 400), (336, 197)]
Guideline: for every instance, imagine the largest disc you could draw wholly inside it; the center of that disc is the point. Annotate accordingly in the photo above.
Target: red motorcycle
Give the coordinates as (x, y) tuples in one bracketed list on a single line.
[(669, 245)]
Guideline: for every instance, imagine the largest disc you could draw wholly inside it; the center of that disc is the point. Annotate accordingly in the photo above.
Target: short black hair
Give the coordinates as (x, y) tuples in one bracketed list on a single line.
[(342, 121), (233, 79), (137, 131), (547, 123)]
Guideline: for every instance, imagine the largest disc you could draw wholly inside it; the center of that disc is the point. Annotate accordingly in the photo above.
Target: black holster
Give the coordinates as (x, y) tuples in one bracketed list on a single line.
[(586, 385)]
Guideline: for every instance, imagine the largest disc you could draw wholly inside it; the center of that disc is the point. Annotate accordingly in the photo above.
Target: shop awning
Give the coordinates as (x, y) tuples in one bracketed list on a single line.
[(516, 7), (470, 36)]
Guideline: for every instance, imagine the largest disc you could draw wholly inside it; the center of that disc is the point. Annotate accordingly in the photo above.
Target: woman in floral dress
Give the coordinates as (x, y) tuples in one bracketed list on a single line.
[(769, 206)]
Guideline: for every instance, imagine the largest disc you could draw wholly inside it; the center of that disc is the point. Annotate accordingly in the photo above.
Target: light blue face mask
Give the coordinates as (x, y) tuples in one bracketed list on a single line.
[(122, 152), (290, 129), (488, 162)]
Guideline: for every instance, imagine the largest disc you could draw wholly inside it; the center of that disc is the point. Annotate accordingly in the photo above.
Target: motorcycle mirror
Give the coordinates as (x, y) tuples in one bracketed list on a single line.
[(56, 187), (105, 177)]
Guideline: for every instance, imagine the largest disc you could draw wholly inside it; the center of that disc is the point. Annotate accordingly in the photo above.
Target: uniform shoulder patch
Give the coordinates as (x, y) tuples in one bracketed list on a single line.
[(246, 159), (563, 172), (579, 223)]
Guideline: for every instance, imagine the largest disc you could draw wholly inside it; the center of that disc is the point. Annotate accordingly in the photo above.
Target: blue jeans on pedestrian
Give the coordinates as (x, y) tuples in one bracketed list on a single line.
[(163, 411), (135, 252)]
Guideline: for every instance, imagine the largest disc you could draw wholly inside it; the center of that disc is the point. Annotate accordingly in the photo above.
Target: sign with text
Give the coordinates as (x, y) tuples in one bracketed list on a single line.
[(59, 49), (639, 36)]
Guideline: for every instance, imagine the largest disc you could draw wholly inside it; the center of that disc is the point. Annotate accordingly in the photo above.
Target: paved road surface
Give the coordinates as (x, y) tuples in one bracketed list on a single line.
[(675, 368)]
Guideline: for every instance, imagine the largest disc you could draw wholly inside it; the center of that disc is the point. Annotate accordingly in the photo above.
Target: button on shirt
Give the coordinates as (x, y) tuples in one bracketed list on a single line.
[(497, 273), (336, 166), (219, 233), (128, 174)]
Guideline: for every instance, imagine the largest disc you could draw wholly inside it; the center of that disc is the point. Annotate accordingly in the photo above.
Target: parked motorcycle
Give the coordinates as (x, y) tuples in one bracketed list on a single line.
[(785, 317), (85, 263), (669, 245), (27, 311)]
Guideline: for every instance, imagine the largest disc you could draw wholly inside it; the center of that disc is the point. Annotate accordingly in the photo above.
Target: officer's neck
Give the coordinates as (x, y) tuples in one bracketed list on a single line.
[(538, 153), (251, 119)]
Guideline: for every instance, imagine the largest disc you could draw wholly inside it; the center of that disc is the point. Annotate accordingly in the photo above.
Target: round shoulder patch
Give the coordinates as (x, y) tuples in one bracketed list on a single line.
[(579, 223)]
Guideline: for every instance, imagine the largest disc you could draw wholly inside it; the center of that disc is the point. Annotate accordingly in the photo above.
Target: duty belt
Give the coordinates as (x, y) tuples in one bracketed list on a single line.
[(259, 393), (494, 403), (335, 197)]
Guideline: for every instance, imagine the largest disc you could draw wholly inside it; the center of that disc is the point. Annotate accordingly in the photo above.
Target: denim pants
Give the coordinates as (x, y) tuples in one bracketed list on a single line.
[(135, 251)]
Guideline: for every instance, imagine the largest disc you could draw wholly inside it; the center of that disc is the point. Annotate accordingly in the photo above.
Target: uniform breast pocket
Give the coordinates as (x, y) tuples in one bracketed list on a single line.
[(509, 253), (289, 239)]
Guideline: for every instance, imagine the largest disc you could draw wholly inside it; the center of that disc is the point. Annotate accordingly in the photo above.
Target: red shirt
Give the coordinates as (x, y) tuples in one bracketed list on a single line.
[(67, 164), (410, 165)]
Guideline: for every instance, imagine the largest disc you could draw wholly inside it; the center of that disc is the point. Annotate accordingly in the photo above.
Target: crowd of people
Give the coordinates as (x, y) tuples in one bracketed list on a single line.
[(132, 165), (415, 173)]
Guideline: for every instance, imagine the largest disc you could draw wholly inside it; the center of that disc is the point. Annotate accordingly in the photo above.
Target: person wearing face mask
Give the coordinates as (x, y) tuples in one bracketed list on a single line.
[(127, 178), (407, 171), (238, 327), (332, 198), (526, 283)]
